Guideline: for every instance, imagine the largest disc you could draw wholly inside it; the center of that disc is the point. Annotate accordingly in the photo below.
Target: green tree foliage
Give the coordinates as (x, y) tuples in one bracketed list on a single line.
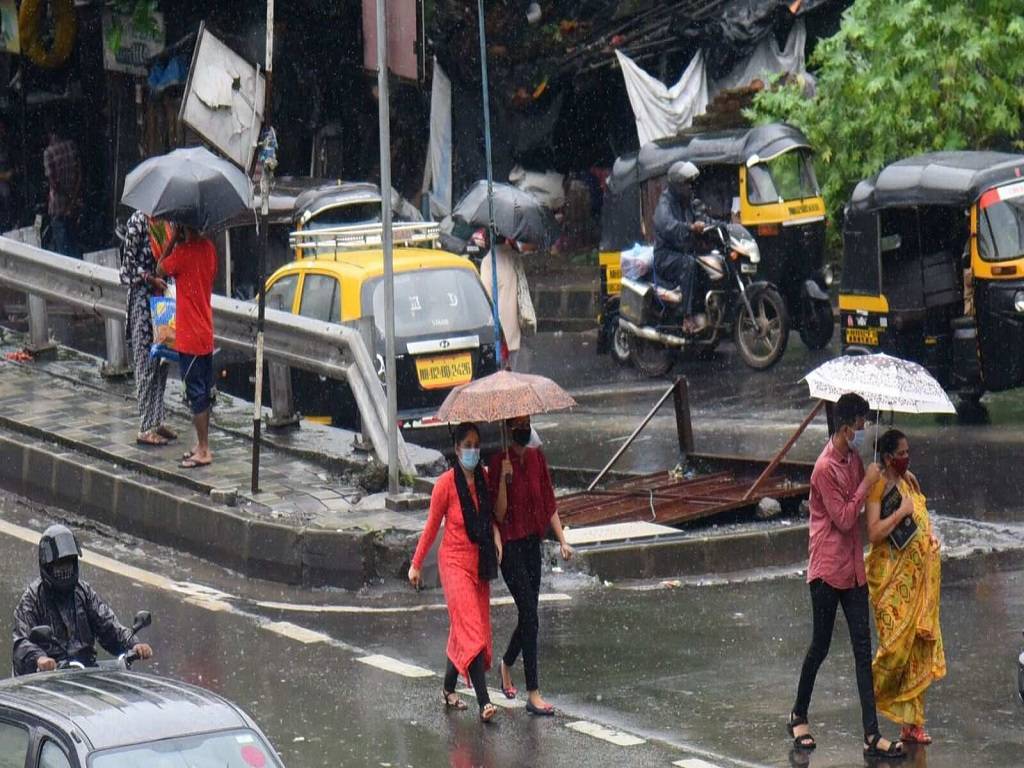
[(900, 78)]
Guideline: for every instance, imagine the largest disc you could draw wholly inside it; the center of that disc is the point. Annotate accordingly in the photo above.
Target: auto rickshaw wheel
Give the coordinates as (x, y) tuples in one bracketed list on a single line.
[(652, 359), (817, 325), (763, 339)]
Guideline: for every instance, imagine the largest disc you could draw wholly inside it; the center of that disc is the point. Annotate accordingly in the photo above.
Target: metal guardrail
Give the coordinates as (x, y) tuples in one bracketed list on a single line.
[(335, 351)]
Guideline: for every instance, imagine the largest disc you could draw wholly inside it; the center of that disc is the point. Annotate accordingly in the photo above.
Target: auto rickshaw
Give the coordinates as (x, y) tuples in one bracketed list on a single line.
[(762, 178), (933, 268)]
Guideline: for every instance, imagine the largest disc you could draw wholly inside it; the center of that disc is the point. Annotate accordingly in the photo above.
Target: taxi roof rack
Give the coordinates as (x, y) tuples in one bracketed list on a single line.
[(356, 236)]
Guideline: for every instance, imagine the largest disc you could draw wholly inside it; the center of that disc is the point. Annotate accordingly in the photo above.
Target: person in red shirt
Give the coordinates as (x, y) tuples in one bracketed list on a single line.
[(191, 260), (835, 572), (525, 509)]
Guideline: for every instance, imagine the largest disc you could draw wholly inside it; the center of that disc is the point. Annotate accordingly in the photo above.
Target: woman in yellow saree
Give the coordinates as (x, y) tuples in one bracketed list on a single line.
[(904, 587)]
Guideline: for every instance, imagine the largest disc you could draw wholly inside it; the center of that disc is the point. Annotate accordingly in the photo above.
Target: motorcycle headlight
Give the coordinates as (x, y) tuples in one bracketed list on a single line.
[(1018, 302), (746, 247), (828, 276)]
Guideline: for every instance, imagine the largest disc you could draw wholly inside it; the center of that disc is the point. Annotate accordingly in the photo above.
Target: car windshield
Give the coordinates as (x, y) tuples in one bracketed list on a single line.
[(433, 302), (346, 215), (1001, 223), (231, 749), (790, 176)]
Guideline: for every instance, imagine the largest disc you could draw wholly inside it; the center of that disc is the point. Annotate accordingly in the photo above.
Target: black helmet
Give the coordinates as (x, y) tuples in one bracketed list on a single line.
[(58, 558)]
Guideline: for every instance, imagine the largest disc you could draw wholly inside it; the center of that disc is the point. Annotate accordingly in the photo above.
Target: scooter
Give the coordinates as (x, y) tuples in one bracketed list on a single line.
[(736, 304), (42, 636)]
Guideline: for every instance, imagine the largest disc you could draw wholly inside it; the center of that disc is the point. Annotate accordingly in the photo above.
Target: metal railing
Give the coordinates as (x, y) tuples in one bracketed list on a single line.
[(354, 236), (335, 351)]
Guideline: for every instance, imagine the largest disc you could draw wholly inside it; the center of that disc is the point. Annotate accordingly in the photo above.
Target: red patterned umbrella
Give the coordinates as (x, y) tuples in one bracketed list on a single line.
[(503, 395)]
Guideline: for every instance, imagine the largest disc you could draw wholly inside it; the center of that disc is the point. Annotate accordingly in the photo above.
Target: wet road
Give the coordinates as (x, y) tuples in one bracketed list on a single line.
[(699, 672)]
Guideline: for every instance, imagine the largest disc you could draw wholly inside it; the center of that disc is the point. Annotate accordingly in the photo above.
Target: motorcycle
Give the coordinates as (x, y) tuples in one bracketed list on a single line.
[(752, 311), (42, 636)]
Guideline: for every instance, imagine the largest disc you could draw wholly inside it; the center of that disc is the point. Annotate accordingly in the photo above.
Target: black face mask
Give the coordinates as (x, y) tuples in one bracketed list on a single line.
[(521, 436)]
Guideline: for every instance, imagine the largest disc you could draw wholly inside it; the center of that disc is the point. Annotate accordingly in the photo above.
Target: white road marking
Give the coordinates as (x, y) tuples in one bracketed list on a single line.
[(295, 632), (694, 762), (389, 664), (618, 738), (497, 698), (552, 597)]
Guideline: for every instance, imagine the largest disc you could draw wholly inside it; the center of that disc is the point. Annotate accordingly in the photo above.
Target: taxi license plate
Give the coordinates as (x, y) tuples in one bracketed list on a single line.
[(444, 370), (867, 336)]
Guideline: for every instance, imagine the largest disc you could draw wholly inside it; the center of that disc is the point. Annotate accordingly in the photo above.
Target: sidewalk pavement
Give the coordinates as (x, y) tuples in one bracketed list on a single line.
[(311, 522)]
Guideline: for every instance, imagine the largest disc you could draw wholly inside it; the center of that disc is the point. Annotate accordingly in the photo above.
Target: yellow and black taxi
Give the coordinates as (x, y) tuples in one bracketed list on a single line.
[(109, 719), (761, 177), (933, 268), (444, 331)]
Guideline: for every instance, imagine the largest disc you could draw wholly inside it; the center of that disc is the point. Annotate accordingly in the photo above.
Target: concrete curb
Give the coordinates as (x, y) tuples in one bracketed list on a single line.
[(164, 514), (704, 555)]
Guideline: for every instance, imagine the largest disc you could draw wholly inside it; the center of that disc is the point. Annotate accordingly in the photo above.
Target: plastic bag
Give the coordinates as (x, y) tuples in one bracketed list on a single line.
[(637, 261), (163, 311)]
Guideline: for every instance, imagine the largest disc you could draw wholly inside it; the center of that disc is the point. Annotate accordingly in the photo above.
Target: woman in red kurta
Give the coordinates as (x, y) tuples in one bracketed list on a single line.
[(468, 558)]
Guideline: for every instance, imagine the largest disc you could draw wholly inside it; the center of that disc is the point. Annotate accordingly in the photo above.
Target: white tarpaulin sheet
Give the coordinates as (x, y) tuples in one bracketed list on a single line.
[(438, 173), (661, 111)]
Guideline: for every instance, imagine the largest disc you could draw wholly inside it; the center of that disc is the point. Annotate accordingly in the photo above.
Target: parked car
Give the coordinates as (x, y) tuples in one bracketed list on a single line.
[(116, 719)]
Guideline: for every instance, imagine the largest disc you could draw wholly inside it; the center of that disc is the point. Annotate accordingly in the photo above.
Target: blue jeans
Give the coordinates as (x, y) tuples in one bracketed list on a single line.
[(64, 237)]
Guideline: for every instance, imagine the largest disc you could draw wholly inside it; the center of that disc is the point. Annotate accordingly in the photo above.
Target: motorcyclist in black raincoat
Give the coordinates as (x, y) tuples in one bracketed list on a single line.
[(77, 616), (679, 219)]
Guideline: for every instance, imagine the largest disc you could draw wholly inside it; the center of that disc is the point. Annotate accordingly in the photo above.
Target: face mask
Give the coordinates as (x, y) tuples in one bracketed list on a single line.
[(469, 458), (900, 465), (521, 436), (858, 439)]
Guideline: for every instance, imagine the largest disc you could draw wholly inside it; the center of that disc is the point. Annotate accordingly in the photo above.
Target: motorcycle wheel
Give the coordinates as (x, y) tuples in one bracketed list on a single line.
[(652, 359), (762, 344), (621, 346), (818, 325)]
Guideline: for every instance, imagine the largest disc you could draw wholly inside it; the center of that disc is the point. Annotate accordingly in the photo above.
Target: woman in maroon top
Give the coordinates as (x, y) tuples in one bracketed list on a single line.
[(467, 560), (525, 510)]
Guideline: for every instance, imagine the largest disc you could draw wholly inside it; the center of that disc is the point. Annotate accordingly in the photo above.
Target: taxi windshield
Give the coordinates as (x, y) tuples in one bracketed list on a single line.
[(231, 749), (1001, 223), (346, 215), (790, 176), (433, 301)]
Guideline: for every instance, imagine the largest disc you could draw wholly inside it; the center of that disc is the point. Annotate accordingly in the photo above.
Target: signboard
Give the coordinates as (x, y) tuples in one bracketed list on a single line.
[(129, 44), (10, 41), (403, 37), (223, 99)]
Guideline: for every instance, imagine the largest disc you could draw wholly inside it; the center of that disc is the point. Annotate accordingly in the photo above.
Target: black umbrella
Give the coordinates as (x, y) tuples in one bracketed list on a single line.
[(517, 214), (191, 186)]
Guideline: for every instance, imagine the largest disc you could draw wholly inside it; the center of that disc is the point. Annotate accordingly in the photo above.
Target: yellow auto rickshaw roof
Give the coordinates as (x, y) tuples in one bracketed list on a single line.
[(365, 264)]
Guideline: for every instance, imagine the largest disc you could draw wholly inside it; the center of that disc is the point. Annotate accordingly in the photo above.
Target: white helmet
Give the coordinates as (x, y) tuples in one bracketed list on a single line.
[(682, 171)]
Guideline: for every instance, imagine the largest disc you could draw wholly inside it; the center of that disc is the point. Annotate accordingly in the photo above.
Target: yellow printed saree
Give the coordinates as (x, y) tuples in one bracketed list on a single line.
[(904, 586)]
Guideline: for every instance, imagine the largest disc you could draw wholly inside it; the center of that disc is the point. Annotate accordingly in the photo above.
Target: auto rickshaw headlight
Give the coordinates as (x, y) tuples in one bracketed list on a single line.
[(1018, 302), (828, 276)]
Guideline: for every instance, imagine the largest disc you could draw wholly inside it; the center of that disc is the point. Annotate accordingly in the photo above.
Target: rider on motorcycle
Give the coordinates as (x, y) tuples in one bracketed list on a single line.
[(70, 607), (678, 221)]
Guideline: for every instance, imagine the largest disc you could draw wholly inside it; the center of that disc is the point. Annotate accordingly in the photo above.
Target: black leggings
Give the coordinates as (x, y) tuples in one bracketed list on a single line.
[(477, 674), (824, 601), (520, 565)]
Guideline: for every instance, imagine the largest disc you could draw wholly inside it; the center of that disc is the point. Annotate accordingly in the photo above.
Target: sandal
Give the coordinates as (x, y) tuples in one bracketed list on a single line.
[(164, 431), (150, 438), (915, 734), (546, 711), (871, 748), (804, 741), (456, 704), (487, 712), (194, 463)]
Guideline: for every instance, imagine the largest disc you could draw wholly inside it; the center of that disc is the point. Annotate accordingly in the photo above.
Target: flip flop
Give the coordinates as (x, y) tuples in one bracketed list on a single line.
[(191, 463), (151, 439), (487, 712), (548, 711), (164, 431), (509, 691)]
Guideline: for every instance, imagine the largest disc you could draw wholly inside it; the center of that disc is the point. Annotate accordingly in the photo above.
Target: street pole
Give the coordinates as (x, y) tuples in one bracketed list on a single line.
[(387, 237), (490, 182), (266, 174)]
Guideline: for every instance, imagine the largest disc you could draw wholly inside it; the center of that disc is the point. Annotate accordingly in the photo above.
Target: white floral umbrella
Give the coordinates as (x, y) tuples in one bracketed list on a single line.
[(887, 383)]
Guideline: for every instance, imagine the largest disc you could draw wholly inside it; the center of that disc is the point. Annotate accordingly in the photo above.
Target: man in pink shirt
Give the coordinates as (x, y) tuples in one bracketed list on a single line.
[(835, 571)]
